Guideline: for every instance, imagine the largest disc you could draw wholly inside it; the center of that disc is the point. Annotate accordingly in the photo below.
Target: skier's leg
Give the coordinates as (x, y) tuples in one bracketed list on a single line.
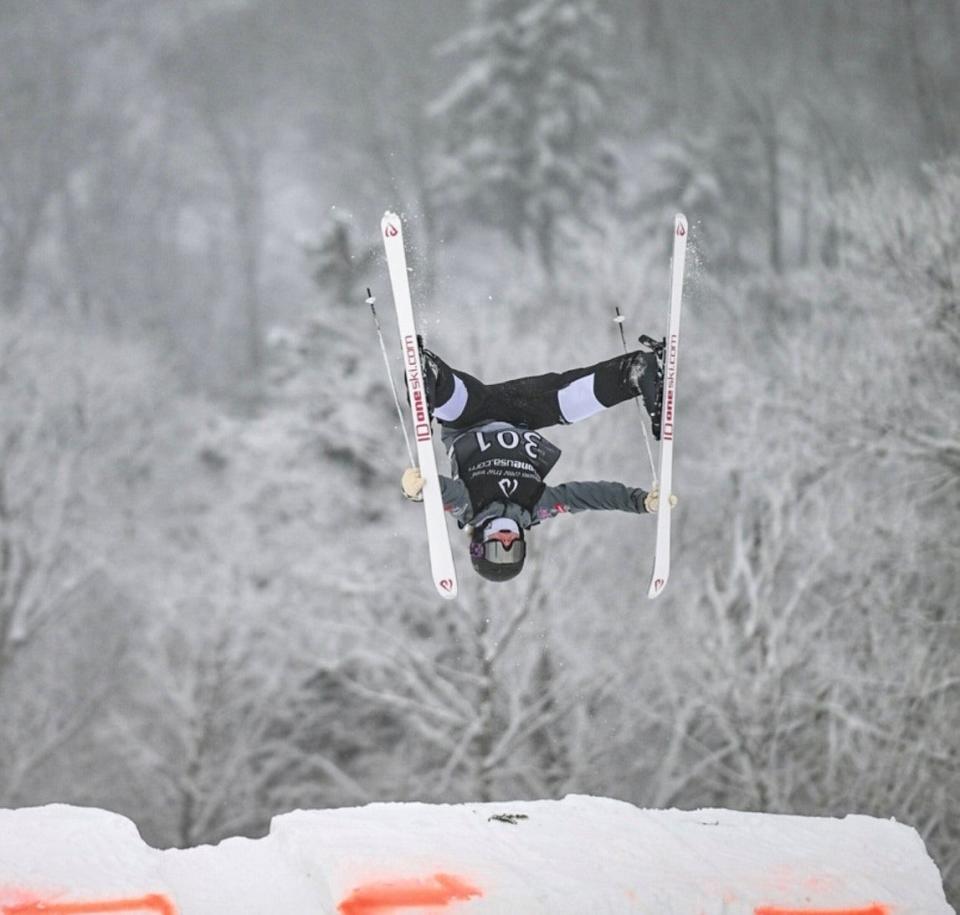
[(568, 397), (461, 400), (458, 399)]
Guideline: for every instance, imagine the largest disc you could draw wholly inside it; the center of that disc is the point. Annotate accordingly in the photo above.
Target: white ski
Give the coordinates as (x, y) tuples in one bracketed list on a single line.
[(438, 538), (661, 563)]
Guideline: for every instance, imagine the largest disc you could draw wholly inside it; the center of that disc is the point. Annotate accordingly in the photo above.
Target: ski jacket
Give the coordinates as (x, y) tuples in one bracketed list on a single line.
[(498, 472)]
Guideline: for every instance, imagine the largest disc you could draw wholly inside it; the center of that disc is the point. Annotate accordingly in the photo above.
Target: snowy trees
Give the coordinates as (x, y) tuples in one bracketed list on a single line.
[(900, 266), (70, 437), (73, 435), (50, 129), (220, 69), (837, 535), (901, 261), (340, 267), (468, 703), (526, 122)]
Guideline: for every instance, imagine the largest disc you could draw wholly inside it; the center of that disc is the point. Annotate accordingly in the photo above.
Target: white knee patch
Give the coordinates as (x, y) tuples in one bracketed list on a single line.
[(577, 400), (453, 407)]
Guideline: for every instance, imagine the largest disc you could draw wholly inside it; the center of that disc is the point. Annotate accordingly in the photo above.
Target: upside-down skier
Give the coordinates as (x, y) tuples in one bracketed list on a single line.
[(499, 460)]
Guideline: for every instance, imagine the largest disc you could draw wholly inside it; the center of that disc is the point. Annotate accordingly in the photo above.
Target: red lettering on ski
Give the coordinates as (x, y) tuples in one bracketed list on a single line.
[(418, 402), (670, 384)]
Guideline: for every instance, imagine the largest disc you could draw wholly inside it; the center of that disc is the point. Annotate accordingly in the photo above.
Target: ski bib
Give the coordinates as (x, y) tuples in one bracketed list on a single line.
[(504, 464)]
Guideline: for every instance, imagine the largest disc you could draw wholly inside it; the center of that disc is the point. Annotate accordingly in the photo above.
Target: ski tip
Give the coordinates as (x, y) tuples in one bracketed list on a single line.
[(680, 224)]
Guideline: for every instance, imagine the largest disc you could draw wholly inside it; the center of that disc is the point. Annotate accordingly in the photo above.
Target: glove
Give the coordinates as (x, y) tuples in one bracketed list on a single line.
[(412, 484), (651, 501)]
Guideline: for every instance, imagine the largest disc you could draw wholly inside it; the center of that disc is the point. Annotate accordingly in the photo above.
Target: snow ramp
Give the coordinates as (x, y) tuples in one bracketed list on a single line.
[(581, 855)]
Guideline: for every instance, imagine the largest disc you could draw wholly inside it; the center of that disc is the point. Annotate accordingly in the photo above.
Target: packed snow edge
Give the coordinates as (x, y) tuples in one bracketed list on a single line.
[(578, 854)]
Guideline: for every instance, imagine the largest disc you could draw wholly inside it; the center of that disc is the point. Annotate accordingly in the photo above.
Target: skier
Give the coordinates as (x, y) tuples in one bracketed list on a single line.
[(499, 461)]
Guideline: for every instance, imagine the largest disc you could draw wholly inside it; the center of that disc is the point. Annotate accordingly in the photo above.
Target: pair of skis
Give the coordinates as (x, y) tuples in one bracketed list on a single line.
[(442, 566)]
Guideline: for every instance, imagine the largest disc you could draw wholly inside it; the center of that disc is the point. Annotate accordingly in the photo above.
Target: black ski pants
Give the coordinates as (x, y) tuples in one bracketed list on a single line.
[(461, 401)]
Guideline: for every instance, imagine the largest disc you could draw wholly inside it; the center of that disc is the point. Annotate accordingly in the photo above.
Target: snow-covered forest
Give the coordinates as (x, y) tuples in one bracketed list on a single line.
[(215, 605)]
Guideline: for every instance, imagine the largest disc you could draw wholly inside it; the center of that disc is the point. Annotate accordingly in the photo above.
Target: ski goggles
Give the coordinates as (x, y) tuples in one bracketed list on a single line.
[(499, 553), (505, 537)]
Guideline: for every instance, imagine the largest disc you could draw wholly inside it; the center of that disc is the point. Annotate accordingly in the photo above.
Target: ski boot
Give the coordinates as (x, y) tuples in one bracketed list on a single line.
[(644, 376), (430, 365)]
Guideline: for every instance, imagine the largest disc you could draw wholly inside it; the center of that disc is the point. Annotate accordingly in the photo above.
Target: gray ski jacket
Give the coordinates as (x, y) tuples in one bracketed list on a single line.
[(567, 498)]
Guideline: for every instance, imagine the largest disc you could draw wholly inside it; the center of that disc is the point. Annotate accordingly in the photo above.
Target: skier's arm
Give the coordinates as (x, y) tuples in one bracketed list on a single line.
[(589, 496), (454, 493), (456, 499)]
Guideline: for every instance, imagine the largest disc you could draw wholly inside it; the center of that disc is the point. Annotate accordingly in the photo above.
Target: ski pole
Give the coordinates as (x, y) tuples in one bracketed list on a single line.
[(371, 301), (618, 320)]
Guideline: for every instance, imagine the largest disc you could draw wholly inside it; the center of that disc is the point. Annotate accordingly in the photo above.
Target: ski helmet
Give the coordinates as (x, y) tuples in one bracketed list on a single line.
[(498, 549)]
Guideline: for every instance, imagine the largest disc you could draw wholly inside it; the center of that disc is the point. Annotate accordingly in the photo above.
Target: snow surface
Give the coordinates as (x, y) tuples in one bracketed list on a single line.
[(580, 855)]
